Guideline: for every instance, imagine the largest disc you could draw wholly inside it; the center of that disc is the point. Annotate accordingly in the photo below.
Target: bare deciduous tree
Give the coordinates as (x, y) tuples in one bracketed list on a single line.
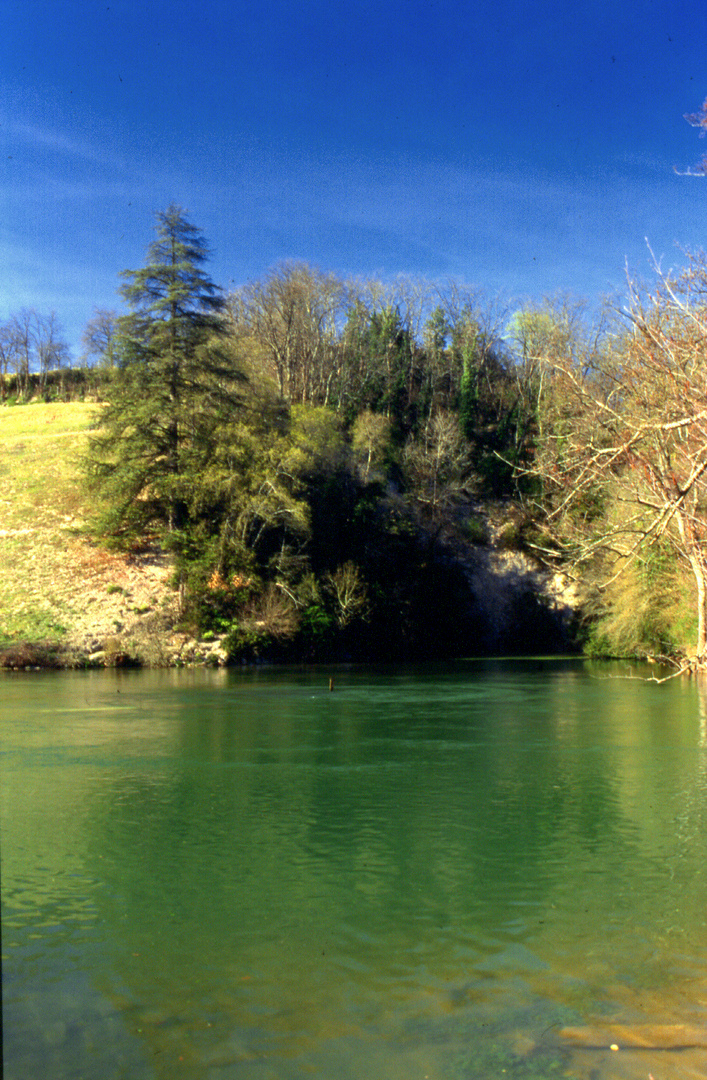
[(624, 461), (349, 593), (296, 312), (699, 120), (100, 337), (370, 438), (33, 342), (437, 464)]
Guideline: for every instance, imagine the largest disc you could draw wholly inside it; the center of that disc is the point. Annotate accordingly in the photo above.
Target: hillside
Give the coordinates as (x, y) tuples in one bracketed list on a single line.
[(61, 596), (67, 601)]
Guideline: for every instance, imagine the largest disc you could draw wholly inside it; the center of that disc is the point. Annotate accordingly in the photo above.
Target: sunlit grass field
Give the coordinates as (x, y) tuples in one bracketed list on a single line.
[(58, 584), (43, 505), (40, 447)]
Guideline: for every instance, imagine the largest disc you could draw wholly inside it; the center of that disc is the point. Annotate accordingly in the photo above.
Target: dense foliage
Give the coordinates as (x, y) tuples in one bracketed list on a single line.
[(306, 448), (319, 455)]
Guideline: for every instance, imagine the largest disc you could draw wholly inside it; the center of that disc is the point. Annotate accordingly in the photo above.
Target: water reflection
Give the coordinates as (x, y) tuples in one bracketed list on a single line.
[(428, 873)]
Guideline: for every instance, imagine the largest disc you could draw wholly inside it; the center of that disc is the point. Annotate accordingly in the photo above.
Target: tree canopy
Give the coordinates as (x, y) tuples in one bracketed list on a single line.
[(318, 452), (175, 382)]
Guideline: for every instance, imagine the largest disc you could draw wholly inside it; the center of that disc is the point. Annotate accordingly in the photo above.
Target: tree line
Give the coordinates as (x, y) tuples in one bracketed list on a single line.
[(618, 478), (314, 451), (302, 446), (31, 342)]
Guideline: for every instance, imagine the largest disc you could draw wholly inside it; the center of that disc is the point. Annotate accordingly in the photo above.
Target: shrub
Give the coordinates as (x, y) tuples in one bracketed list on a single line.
[(246, 642), (648, 609), (476, 530), (317, 625), (509, 537)]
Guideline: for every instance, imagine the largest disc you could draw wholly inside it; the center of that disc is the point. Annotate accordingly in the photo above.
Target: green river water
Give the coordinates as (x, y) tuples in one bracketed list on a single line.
[(463, 871)]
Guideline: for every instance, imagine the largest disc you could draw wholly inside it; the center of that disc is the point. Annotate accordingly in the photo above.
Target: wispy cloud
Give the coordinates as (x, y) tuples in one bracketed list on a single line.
[(59, 142)]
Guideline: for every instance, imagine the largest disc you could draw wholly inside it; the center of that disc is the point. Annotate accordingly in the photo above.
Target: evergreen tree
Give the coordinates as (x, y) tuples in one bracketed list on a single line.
[(175, 387), (468, 346), (387, 349)]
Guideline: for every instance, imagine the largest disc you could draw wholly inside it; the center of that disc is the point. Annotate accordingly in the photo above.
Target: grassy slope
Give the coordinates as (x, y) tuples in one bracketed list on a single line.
[(54, 584)]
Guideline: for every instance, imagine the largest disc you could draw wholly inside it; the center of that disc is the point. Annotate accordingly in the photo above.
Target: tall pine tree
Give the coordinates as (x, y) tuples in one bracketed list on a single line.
[(175, 387)]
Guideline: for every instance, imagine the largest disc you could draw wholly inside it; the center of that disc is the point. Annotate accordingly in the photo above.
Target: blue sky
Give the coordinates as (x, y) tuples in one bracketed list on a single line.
[(523, 146)]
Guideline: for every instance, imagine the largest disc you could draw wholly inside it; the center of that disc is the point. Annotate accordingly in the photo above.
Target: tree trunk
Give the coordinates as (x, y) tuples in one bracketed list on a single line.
[(698, 569), (692, 549)]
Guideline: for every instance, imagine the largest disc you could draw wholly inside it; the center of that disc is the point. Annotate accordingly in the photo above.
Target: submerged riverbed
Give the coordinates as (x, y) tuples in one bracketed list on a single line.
[(457, 871)]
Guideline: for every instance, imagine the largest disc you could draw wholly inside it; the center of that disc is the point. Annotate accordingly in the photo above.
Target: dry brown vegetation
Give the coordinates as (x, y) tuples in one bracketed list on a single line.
[(55, 584)]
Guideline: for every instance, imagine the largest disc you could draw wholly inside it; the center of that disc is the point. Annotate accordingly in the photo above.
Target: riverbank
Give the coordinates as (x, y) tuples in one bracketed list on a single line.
[(67, 602)]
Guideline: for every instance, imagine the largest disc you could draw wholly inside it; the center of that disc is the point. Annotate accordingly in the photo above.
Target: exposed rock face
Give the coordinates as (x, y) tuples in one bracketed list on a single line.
[(519, 605), (523, 606)]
